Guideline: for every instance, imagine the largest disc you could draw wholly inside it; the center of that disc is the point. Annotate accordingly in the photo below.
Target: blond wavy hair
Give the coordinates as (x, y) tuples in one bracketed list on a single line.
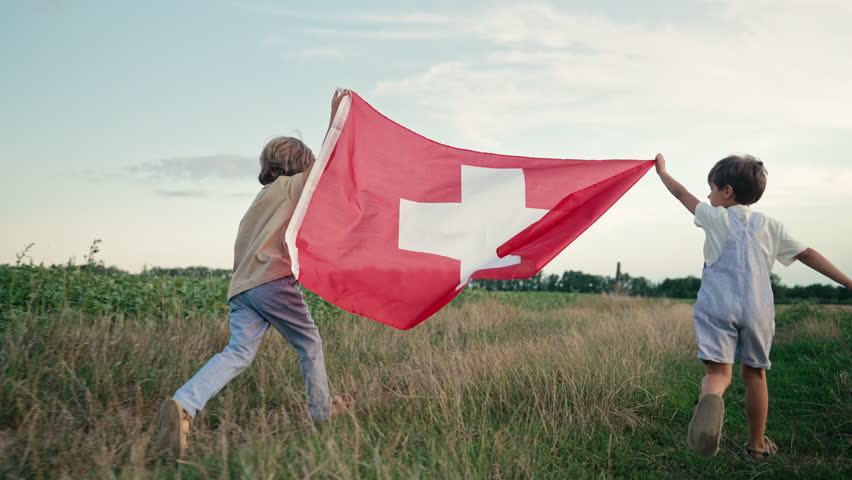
[(284, 156)]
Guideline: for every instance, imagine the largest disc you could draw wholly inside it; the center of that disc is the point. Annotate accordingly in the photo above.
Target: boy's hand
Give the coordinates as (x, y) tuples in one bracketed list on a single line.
[(335, 100), (682, 194), (661, 163)]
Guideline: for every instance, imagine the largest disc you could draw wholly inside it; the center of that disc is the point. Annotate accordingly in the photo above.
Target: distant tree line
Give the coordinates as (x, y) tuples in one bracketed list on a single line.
[(198, 272), (580, 282), (570, 281), (686, 287)]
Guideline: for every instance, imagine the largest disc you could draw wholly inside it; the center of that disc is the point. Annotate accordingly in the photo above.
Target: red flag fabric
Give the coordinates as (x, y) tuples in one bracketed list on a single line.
[(392, 225)]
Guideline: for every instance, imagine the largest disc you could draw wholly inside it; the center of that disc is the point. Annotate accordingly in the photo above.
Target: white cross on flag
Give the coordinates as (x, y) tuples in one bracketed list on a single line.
[(392, 225)]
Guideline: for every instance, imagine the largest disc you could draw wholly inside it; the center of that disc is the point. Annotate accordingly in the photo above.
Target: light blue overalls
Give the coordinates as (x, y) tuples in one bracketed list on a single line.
[(735, 310)]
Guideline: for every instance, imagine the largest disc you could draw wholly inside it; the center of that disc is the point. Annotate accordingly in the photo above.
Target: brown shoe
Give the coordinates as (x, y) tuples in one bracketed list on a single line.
[(173, 429), (341, 404), (705, 429)]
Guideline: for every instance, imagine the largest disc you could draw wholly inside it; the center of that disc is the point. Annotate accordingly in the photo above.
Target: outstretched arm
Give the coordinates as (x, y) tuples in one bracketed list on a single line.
[(679, 191), (815, 260)]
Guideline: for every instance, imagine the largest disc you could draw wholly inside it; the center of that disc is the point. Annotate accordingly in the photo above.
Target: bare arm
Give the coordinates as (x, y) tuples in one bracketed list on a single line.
[(679, 191), (335, 102), (816, 261)]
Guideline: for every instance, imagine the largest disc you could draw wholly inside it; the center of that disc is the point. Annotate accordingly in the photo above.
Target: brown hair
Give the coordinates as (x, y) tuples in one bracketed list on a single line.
[(744, 173), (283, 156)]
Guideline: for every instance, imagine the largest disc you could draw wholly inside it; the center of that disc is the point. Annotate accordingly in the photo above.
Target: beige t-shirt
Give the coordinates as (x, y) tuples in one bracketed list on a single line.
[(260, 255), (774, 240)]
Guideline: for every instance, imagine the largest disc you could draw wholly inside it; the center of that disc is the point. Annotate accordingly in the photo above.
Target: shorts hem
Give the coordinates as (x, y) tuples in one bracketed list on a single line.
[(764, 366), (708, 358)]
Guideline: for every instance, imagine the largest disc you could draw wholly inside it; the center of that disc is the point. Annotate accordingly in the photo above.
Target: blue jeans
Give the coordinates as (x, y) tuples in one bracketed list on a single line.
[(278, 303)]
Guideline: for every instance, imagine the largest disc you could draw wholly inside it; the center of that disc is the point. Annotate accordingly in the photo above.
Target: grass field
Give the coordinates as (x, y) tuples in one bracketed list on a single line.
[(497, 385)]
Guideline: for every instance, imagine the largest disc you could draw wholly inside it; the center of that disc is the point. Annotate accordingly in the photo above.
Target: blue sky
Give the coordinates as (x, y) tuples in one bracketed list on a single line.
[(140, 123)]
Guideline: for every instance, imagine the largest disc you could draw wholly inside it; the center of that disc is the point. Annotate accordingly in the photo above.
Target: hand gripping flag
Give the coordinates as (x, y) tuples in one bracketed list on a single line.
[(392, 225)]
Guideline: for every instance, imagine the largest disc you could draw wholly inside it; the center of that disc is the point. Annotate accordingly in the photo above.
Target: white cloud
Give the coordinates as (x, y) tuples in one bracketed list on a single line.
[(196, 169), (185, 193), (809, 184), (748, 65), (208, 176), (392, 34)]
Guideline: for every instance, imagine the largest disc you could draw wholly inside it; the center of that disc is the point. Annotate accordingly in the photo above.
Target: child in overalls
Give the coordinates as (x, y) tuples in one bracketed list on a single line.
[(735, 312)]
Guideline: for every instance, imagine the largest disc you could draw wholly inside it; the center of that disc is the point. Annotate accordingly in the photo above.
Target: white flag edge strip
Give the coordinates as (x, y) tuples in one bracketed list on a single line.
[(313, 180)]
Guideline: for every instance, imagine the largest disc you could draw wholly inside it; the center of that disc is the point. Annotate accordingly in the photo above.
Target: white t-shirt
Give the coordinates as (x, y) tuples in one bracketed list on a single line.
[(775, 242)]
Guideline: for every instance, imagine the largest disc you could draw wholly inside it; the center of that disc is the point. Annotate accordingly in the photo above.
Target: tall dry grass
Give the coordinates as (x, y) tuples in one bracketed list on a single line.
[(484, 389)]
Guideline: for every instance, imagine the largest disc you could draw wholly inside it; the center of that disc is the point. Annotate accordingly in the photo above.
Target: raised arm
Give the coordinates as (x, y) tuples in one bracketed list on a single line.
[(816, 261), (335, 102), (679, 191)]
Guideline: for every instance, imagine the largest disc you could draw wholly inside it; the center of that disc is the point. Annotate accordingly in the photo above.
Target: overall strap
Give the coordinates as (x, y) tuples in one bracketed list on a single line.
[(735, 225)]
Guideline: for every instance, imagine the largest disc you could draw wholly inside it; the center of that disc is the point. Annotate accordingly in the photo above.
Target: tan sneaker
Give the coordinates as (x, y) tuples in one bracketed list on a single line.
[(705, 429), (341, 404), (173, 429)]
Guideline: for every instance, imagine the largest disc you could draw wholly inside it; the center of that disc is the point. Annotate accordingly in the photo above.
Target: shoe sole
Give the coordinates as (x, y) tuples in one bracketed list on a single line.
[(705, 429), (168, 432)]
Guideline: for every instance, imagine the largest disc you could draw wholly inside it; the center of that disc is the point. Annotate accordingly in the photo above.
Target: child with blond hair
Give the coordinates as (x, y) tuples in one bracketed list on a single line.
[(263, 293), (735, 311)]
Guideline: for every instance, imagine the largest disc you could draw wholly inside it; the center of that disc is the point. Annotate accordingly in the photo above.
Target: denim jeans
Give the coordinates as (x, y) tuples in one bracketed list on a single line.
[(278, 303)]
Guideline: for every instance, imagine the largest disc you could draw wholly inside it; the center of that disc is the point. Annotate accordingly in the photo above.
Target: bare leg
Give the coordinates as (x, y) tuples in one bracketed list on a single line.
[(705, 429), (717, 378), (757, 404)]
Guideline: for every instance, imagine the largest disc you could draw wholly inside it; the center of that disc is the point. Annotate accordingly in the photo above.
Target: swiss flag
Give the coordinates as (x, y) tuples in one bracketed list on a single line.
[(392, 225)]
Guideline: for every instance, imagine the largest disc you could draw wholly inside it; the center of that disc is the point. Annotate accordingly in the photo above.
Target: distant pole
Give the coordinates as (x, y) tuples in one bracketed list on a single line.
[(616, 287)]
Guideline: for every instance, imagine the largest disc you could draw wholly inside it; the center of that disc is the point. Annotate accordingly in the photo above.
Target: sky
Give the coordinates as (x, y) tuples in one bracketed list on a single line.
[(140, 123)]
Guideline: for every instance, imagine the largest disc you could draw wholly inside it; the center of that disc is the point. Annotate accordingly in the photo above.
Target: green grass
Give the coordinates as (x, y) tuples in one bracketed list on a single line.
[(810, 409), (497, 385)]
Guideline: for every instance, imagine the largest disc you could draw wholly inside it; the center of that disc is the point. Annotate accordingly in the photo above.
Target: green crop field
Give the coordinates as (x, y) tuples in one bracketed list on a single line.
[(496, 385)]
